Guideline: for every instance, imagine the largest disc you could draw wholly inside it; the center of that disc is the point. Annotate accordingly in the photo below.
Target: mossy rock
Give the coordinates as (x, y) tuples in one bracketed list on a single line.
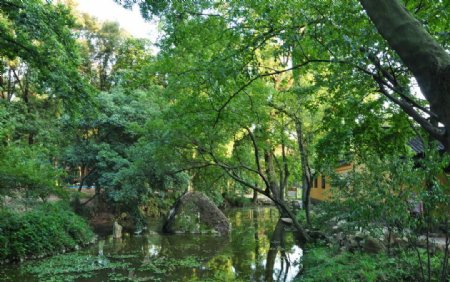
[(194, 212)]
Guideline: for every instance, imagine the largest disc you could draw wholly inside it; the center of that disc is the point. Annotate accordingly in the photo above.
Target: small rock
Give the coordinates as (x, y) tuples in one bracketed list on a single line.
[(373, 246), (287, 220), (117, 230), (341, 223), (400, 242)]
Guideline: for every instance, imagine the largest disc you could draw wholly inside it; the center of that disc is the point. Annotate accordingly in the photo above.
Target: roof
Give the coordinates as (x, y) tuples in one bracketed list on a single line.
[(418, 146)]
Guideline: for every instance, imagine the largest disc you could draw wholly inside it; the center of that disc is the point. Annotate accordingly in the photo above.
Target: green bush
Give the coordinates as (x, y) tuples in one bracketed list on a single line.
[(48, 229)]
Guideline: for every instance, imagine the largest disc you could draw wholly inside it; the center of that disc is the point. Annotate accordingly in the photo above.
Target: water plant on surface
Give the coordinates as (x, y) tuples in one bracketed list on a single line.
[(161, 265), (69, 267)]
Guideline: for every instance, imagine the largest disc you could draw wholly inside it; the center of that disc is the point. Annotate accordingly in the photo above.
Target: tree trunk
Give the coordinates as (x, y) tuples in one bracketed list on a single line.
[(422, 54), (306, 176), (255, 197), (284, 177), (306, 169), (270, 172), (302, 235)]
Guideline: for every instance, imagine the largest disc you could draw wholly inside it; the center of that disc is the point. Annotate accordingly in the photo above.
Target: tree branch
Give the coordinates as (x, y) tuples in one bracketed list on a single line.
[(394, 86), (257, 158), (266, 74), (434, 131)]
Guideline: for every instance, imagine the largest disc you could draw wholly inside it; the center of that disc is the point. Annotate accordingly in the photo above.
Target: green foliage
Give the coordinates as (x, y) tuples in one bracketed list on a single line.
[(27, 169), (384, 192), (45, 230), (39, 33), (325, 264), (392, 196), (379, 193), (219, 93), (125, 151)]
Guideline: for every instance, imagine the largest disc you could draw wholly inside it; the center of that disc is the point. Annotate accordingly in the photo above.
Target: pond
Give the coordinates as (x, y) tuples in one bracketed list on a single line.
[(258, 249)]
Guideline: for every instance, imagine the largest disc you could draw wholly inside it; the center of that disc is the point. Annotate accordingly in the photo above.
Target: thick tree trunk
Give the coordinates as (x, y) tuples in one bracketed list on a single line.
[(422, 54)]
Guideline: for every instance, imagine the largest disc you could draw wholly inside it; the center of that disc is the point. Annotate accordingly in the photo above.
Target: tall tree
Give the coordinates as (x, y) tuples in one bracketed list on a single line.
[(428, 60)]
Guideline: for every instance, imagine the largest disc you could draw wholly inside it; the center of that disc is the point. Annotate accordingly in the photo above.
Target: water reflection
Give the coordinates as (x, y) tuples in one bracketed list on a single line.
[(258, 249), (281, 263)]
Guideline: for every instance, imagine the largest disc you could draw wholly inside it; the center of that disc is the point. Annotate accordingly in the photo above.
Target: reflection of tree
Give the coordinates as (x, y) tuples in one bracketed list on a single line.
[(277, 244), (151, 247), (256, 226), (250, 242), (222, 267)]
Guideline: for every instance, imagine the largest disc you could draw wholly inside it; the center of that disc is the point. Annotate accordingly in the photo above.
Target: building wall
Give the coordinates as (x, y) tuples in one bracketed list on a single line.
[(321, 188)]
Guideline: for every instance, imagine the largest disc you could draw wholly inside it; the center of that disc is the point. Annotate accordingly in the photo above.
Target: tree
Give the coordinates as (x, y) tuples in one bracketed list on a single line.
[(316, 26), (101, 42), (428, 60), (39, 35), (39, 79)]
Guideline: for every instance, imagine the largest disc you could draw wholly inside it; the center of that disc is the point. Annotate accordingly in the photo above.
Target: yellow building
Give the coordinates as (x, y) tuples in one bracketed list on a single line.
[(321, 188)]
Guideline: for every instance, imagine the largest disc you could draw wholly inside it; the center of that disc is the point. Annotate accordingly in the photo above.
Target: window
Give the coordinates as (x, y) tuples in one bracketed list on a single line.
[(315, 185), (323, 182)]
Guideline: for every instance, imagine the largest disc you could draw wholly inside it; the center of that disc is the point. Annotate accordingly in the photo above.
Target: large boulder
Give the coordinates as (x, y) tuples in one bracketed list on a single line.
[(194, 212)]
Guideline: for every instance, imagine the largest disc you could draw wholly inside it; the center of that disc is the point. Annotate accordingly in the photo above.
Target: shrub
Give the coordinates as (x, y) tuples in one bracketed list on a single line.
[(48, 229)]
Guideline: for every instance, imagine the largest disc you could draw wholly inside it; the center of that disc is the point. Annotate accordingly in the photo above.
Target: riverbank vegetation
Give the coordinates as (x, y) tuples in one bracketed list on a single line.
[(323, 263), (243, 101), (41, 231)]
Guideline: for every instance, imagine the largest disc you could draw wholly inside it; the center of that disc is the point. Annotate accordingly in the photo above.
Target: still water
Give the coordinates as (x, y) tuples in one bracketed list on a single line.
[(258, 249)]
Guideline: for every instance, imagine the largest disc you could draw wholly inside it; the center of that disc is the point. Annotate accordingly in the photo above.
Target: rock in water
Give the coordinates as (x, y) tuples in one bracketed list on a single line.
[(117, 230), (194, 212)]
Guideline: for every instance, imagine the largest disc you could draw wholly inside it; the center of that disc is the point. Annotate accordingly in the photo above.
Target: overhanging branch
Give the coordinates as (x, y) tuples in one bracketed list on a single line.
[(434, 131)]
